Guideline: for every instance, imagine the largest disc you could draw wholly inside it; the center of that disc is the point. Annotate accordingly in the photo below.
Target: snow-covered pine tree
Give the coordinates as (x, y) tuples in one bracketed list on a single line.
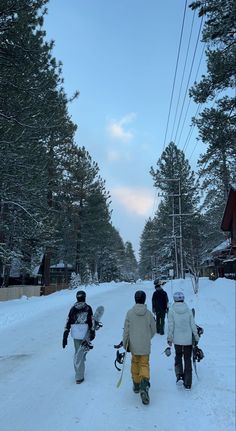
[(111, 259), (33, 106), (95, 278), (130, 264), (148, 249), (75, 281), (87, 276), (177, 218), (216, 124)]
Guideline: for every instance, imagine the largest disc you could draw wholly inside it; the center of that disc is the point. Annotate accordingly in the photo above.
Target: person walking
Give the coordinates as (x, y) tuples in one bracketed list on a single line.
[(80, 324), (160, 304), (182, 331), (139, 328)]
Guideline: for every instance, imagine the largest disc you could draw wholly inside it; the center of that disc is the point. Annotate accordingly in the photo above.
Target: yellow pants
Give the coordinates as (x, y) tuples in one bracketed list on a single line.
[(140, 368)]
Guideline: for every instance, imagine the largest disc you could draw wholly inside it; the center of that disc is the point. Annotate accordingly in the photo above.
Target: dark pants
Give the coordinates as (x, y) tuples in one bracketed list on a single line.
[(160, 321), (183, 352)]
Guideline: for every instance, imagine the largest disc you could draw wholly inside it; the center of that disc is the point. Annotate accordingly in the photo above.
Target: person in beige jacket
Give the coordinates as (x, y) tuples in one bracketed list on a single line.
[(139, 328)]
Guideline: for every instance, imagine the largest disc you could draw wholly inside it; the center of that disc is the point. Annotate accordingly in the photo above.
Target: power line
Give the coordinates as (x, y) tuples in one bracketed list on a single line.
[(190, 72), (176, 67), (191, 128), (186, 112), (214, 102), (185, 63)]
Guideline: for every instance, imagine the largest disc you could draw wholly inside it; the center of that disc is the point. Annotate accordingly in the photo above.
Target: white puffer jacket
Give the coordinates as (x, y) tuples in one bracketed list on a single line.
[(181, 325)]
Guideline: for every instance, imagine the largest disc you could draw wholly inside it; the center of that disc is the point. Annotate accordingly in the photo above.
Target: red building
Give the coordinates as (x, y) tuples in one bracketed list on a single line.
[(229, 225)]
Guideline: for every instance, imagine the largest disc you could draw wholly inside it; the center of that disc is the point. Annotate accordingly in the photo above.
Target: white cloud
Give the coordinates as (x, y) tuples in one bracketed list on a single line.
[(117, 128), (136, 200)]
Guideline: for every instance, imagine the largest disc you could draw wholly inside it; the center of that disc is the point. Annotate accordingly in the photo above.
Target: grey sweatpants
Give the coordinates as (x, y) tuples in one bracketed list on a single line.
[(79, 360)]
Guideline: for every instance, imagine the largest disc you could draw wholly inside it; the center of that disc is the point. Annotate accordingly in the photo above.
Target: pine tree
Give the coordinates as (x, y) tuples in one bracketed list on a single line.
[(75, 281), (130, 265), (177, 216), (148, 249), (111, 262), (217, 124), (52, 200), (34, 126), (219, 34)]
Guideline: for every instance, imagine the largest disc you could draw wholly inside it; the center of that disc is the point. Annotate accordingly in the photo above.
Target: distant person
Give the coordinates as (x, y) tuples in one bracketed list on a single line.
[(160, 303), (182, 330), (139, 328), (80, 324)]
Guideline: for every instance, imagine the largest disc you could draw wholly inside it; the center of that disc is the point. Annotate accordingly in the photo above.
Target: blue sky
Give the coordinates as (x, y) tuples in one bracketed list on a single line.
[(121, 55)]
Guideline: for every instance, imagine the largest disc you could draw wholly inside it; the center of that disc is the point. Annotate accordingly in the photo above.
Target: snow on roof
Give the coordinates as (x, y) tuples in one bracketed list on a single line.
[(222, 246), (36, 270), (233, 186), (61, 264), (230, 259)]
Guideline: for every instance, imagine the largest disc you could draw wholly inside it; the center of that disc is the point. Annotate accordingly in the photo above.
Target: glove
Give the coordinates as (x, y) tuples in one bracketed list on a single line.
[(64, 341), (169, 343), (92, 334)]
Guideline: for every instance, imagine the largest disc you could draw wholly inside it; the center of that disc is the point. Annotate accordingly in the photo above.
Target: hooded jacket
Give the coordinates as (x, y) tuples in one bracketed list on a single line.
[(139, 328), (80, 313), (159, 300), (181, 325)]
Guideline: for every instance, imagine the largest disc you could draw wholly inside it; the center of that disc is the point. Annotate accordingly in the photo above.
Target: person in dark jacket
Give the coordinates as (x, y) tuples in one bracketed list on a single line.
[(80, 324), (159, 306)]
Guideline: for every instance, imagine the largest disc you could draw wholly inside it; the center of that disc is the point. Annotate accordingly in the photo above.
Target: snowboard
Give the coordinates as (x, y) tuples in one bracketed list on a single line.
[(122, 369), (86, 346), (97, 317), (195, 348)]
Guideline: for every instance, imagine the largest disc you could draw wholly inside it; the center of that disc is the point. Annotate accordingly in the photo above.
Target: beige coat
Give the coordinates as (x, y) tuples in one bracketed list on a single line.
[(139, 328)]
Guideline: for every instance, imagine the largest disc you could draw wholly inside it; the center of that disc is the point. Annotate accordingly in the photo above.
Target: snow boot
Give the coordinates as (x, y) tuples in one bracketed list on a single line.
[(187, 387), (179, 379), (79, 381), (144, 387), (136, 387)]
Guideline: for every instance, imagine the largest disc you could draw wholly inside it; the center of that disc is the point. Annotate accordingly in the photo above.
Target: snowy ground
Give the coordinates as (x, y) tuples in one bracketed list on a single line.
[(37, 388)]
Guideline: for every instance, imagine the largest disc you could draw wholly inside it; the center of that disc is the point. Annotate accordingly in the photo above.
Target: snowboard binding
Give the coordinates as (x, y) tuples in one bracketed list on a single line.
[(167, 351), (119, 359), (198, 354), (119, 355)]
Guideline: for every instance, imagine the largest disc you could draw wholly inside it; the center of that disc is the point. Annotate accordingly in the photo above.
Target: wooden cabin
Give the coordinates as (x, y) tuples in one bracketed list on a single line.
[(229, 225), (229, 218)]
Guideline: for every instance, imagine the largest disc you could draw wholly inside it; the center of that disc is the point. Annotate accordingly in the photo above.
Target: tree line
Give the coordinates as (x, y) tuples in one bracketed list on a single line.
[(53, 202), (170, 239)]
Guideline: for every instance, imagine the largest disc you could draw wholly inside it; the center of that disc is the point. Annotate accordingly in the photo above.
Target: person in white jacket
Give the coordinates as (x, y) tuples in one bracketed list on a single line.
[(182, 331)]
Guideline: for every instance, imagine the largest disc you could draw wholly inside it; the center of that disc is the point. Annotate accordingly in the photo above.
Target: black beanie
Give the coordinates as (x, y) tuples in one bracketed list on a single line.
[(140, 297)]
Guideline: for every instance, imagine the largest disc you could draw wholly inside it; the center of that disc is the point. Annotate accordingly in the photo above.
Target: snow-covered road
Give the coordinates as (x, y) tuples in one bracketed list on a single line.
[(37, 389)]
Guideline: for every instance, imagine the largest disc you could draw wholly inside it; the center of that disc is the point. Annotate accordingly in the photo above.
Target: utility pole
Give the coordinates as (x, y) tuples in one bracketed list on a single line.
[(180, 227), (180, 234), (174, 236)]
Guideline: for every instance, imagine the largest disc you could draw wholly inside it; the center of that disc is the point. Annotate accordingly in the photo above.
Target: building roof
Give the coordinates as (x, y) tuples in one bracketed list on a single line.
[(222, 246)]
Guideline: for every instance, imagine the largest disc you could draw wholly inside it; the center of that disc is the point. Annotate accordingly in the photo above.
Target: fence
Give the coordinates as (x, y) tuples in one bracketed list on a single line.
[(16, 292)]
